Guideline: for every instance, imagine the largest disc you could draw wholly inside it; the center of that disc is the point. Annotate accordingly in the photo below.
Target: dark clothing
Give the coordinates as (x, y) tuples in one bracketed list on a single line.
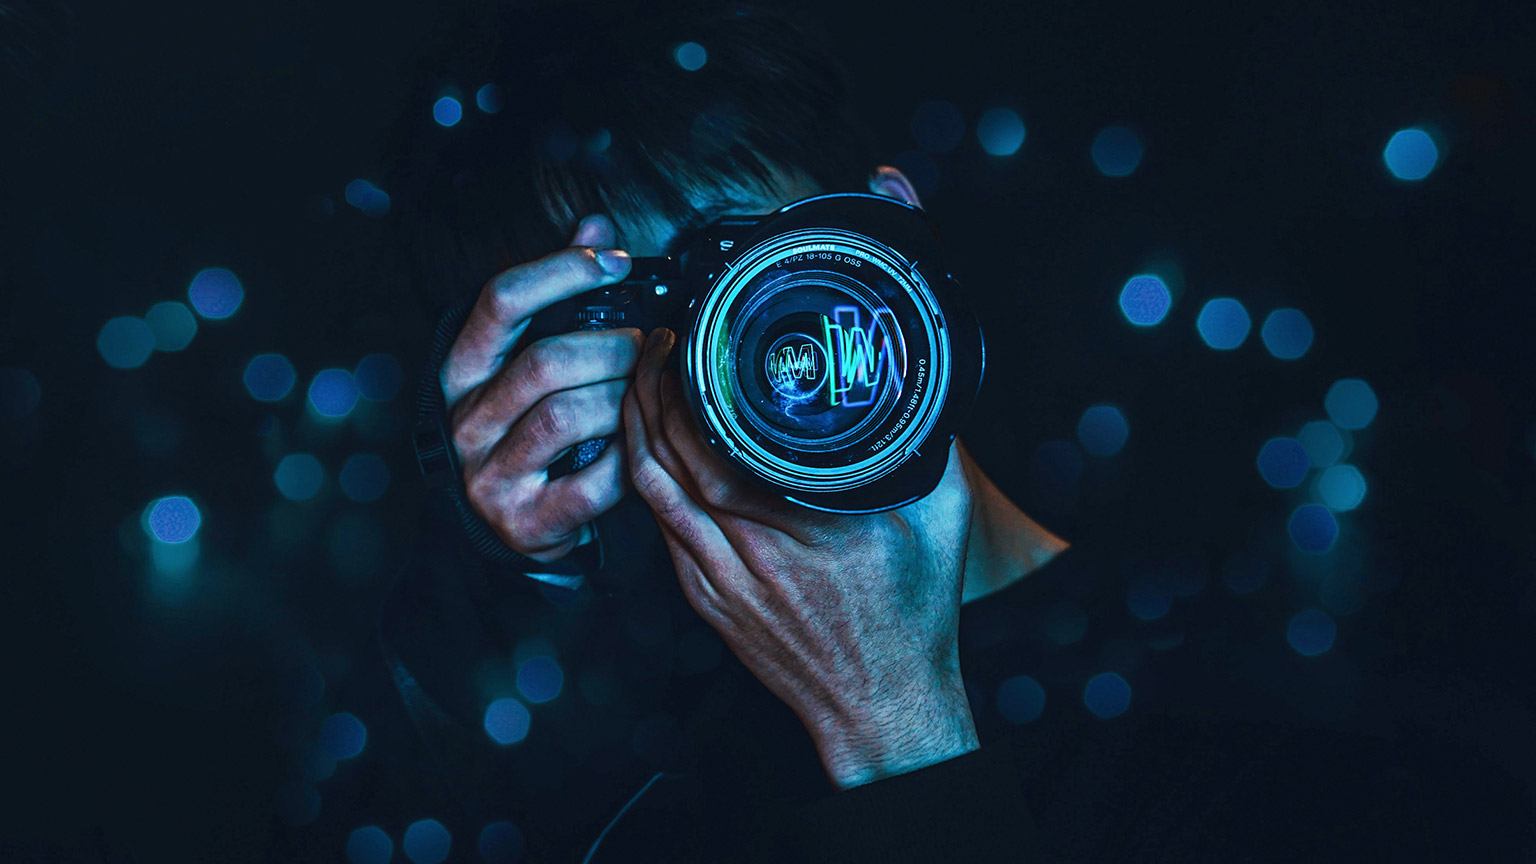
[(651, 700)]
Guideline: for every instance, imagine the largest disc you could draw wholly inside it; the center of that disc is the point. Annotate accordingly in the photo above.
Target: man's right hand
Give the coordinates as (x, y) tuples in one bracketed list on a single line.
[(512, 418)]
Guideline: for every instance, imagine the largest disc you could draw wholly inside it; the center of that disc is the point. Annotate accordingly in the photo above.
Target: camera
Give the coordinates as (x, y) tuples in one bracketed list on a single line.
[(824, 348)]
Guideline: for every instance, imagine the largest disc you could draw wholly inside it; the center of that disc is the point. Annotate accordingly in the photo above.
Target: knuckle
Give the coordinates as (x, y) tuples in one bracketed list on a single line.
[(502, 294), (543, 361), (461, 431), (463, 442), (537, 363), (480, 490), (524, 529), (594, 498), (550, 421), (648, 478)]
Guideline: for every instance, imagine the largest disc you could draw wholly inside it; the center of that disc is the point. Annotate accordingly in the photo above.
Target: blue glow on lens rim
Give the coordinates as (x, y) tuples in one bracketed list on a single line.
[(711, 374)]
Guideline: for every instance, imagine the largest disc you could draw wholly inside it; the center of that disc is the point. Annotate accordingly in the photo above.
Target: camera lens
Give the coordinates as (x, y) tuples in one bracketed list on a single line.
[(814, 360), (820, 360)]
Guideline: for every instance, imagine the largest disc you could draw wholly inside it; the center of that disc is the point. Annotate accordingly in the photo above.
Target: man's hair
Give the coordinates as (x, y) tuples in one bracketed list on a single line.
[(600, 115)]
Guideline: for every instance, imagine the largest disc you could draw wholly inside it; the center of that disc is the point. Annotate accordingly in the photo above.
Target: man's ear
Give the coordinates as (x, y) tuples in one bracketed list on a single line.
[(892, 183)]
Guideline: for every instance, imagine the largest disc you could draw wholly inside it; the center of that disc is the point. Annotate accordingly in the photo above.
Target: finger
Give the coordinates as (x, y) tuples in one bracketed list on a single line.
[(676, 512), (556, 423), (569, 504), (730, 498), (548, 366), (647, 390), (510, 298), (698, 590), (545, 520)]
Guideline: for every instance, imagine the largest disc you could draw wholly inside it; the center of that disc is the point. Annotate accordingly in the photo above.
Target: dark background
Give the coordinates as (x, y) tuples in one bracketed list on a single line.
[(155, 714)]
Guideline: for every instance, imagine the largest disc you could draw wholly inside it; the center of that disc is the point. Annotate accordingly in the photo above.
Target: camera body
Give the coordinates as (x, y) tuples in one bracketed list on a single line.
[(824, 348)]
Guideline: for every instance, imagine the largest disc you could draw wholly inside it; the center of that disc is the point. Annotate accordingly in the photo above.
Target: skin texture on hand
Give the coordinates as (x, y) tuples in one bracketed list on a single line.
[(851, 620), (512, 418)]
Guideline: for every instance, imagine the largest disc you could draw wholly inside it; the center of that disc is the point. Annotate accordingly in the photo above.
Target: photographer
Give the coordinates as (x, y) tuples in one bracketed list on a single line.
[(836, 726)]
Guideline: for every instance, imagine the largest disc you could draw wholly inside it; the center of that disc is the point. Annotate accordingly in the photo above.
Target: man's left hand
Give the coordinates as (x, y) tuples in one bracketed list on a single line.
[(851, 620)]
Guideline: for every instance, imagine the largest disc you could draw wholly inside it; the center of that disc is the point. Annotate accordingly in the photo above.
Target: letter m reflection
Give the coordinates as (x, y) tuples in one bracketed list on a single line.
[(791, 363)]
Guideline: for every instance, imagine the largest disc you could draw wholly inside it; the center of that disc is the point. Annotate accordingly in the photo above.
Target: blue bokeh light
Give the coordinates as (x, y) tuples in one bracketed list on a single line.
[(1107, 695), (1341, 487), (173, 519), (1283, 463), (125, 342), (1223, 323), (539, 679), (367, 197), (364, 477), (1286, 333), (1021, 699), (378, 377), (488, 99), (1351, 403), (507, 721), (500, 843), (1323, 442), (447, 111), (1311, 632), (172, 324), (1116, 151), (269, 377), (298, 803), (1313, 528), (1000, 131), (343, 735), (1145, 300), (299, 476), (426, 841), (19, 393), (369, 845), (1411, 154), (691, 56), (937, 126), (1102, 430), (333, 393), (215, 293)]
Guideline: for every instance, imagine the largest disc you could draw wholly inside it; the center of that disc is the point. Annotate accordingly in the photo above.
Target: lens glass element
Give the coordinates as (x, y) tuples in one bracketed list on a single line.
[(820, 358), (816, 358)]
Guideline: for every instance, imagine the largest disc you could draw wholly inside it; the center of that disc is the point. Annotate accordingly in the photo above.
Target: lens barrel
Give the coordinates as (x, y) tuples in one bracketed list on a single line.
[(829, 360)]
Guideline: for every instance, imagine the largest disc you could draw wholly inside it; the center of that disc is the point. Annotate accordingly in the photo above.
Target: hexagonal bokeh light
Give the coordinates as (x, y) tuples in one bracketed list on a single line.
[(1224, 323), (1145, 300)]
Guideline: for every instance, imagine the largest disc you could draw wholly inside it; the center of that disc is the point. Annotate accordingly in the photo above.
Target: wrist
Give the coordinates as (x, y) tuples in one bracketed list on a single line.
[(927, 723)]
